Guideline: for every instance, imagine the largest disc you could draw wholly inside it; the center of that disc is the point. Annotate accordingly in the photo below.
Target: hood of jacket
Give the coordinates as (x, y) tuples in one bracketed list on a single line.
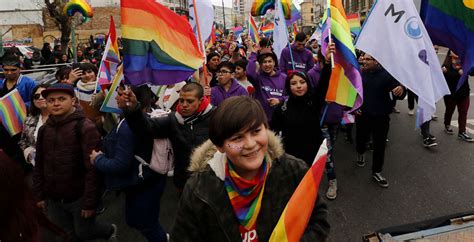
[(207, 153)]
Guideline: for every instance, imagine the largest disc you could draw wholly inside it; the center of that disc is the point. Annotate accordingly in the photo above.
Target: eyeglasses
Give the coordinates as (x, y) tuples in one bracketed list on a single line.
[(37, 96), (223, 72)]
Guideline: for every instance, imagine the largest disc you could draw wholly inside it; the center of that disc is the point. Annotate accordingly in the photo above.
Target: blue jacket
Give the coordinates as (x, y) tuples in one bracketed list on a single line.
[(118, 163), (25, 87)]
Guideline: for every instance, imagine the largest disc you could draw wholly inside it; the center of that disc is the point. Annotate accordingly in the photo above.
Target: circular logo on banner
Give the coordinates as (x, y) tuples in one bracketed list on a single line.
[(469, 4), (413, 29)]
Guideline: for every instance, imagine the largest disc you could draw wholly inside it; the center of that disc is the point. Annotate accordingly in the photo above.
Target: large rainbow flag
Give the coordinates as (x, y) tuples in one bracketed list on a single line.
[(260, 7), (12, 112), (345, 85), (451, 24), (253, 30), (159, 46), (294, 219), (110, 59), (295, 15)]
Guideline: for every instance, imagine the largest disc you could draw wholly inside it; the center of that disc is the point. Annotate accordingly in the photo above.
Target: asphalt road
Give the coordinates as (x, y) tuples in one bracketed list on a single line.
[(424, 183)]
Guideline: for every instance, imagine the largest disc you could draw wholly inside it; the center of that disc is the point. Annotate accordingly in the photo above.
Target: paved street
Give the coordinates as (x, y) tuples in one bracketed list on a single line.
[(424, 184)]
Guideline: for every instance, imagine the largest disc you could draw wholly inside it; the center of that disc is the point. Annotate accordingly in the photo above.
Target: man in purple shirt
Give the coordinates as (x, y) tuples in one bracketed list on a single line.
[(302, 58)]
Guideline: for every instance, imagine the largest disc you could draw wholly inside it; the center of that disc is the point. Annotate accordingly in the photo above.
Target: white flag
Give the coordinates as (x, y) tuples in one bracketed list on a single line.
[(205, 14), (395, 36), (280, 33)]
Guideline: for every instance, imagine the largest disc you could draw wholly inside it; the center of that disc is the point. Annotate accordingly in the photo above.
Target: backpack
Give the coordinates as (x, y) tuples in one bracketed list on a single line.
[(162, 156)]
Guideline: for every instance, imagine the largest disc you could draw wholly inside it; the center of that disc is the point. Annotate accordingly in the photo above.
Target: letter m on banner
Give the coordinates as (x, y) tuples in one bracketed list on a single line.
[(391, 9)]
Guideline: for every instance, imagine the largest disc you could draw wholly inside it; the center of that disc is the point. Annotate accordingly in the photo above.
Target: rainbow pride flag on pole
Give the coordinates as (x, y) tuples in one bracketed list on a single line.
[(294, 219), (12, 112), (345, 85), (253, 30), (354, 23), (451, 24), (260, 7), (110, 59), (295, 15), (159, 46)]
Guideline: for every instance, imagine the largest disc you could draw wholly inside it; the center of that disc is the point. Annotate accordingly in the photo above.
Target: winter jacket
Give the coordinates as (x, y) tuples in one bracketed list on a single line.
[(378, 97), (303, 60), (28, 137), (118, 162), (298, 120), (206, 214), (25, 86), (219, 94), (184, 135), (266, 86), (63, 170), (452, 78)]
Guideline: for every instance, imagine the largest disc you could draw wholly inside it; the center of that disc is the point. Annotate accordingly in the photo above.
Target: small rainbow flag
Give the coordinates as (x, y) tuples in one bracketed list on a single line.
[(219, 32), (295, 15), (237, 30), (345, 85), (253, 30), (78, 6), (110, 59), (260, 7), (354, 23), (268, 29), (12, 112), (159, 46), (294, 219)]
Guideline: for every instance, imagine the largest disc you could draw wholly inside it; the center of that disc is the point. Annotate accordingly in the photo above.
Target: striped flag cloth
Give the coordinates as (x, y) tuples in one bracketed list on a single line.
[(159, 46), (12, 112), (110, 59), (253, 30), (345, 85), (298, 210)]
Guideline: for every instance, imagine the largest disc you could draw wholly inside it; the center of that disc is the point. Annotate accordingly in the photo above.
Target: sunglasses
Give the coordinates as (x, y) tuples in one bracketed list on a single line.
[(37, 96)]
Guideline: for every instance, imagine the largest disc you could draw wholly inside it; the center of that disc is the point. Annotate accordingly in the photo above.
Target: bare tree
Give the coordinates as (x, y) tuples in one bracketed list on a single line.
[(64, 22)]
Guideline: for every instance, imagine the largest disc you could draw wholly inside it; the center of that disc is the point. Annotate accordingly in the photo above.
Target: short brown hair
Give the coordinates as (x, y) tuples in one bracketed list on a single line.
[(239, 113), (194, 86)]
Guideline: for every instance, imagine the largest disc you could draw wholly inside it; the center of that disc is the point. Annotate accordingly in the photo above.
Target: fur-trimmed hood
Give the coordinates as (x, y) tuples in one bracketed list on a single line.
[(207, 153)]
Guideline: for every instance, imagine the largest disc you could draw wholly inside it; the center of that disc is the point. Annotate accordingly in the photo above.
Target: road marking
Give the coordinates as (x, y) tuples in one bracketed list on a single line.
[(469, 122)]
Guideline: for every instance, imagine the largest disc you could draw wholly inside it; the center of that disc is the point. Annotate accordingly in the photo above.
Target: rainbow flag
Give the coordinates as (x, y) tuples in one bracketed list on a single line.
[(354, 23), (159, 46), (260, 7), (268, 29), (219, 32), (12, 112), (110, 59), (253, 30), (345, 85), (294, 219), (451, 24), (212, 38), (295, 15)]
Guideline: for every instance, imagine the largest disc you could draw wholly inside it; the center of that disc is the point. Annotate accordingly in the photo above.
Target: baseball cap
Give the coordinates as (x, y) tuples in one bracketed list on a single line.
[(58, 87)]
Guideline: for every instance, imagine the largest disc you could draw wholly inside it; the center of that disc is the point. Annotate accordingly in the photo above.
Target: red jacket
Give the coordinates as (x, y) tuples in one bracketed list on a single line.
[(63, 170)]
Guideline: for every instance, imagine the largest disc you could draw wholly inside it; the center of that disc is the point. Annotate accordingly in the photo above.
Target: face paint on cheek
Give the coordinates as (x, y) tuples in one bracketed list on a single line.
[(235, 147)]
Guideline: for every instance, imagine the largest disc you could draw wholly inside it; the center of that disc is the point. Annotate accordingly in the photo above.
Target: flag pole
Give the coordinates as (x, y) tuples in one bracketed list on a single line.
[(201, 44), (330, 42)]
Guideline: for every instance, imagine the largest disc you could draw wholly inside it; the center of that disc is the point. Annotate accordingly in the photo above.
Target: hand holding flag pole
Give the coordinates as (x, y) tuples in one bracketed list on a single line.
[(330, 43)]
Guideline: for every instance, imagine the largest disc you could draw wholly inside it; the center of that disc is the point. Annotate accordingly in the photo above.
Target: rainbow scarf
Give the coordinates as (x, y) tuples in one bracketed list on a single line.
[(12, 112), (246, 196)]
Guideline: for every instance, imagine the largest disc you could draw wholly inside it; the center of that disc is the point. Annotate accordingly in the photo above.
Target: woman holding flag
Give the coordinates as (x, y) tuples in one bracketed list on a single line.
[(242, 179)]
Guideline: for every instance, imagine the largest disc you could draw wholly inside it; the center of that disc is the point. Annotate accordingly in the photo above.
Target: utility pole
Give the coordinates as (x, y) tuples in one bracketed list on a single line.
[(223, 13)]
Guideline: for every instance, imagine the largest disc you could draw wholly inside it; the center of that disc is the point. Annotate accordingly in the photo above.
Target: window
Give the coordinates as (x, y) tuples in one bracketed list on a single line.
[(311, 10)]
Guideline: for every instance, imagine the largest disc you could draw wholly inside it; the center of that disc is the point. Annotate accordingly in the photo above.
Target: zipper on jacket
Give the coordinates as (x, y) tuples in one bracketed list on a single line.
[(215, 213)]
